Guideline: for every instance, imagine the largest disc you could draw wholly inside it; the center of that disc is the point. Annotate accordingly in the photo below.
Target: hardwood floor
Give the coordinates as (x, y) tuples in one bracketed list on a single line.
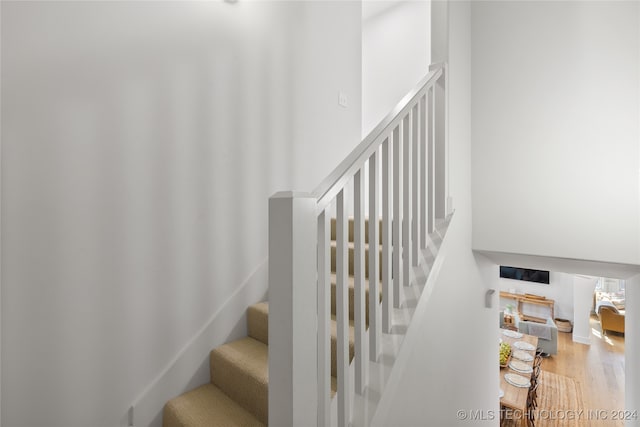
[(598, 369)]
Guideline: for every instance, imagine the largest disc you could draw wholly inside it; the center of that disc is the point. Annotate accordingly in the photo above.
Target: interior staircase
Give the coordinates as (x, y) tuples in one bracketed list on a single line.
[(237, 394), (402, 163)]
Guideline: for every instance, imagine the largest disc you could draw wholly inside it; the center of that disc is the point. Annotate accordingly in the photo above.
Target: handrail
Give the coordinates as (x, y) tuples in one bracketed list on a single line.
[(403, 165), (336, 180)]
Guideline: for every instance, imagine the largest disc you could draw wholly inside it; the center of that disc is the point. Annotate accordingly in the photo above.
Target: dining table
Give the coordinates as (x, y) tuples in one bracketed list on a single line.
[(514, 399)]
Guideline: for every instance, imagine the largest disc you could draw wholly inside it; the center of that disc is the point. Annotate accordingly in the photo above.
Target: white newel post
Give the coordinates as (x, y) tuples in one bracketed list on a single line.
[(293, 390)]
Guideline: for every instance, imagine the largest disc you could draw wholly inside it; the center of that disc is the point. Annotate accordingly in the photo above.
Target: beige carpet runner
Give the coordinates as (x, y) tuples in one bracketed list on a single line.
[(238, 392)]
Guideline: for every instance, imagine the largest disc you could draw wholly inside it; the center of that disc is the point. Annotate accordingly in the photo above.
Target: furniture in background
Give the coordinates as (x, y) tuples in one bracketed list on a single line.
[(617, 299), (604, 301), (516, 398), (611, 319), (507, 321), (547, 333), (563, 325), (530, 299)]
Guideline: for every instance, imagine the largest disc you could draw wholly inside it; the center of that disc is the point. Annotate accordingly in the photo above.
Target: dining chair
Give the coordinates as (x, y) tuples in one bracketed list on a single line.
[(534, 385), (537, 361), (531, 405), (536, 372)]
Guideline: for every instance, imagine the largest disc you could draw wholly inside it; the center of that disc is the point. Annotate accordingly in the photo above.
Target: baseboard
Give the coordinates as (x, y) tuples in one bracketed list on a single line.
[(190, 367), (582, 340)]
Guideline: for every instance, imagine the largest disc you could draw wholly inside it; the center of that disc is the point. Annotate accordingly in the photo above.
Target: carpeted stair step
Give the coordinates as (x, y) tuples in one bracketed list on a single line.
[(258, 322), (238, 392), (351, 247), (240, 370), (206, 406), (351, 298), (334, 345), (351, 230), (261, 317)]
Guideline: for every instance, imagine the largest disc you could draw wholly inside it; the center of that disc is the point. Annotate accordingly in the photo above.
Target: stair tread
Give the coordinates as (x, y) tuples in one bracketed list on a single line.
[(248, 354), (334, 327), (261, 306), (241, 370), (258, 322), (352, 245), (206, 406), (352, 282), (334, 330), (351, 228), (351, 258)]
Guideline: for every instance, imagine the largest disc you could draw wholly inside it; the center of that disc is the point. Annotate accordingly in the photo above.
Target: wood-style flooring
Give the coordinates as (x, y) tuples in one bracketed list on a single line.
[(597, 368)]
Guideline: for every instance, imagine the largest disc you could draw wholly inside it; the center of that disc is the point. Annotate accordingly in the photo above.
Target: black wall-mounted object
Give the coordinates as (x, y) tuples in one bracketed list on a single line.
[(516, 273)]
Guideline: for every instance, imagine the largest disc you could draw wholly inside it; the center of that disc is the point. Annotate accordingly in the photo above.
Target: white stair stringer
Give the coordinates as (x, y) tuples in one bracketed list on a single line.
[(365, 405)]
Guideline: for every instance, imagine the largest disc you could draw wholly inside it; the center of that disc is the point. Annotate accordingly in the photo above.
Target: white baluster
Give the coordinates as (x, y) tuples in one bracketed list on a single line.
[(397, 218), (324, 320), (359, 278), (440, 147), (423, 172), (375, 334), (406, 199), (387, 296), (431, 159), (342, 310), (415, 189)]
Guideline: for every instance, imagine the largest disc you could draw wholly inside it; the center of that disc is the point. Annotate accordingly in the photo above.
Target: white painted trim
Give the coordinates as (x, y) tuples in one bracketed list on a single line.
[(190, 367), (293, 352), (0, 233), (582, 340)]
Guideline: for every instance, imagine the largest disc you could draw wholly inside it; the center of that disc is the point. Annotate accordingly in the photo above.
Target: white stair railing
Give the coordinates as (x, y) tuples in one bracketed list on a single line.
[(407, 150)]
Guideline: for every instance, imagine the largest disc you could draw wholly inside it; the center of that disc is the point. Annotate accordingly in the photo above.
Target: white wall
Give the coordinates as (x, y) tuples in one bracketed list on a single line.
[(140, 143), (555, 129), (395, 54), (559, 289), (430, 388), (327, 60), (583, 289)]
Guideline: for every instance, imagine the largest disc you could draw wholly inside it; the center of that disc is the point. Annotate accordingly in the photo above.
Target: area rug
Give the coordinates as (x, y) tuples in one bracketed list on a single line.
[(559, 403)]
